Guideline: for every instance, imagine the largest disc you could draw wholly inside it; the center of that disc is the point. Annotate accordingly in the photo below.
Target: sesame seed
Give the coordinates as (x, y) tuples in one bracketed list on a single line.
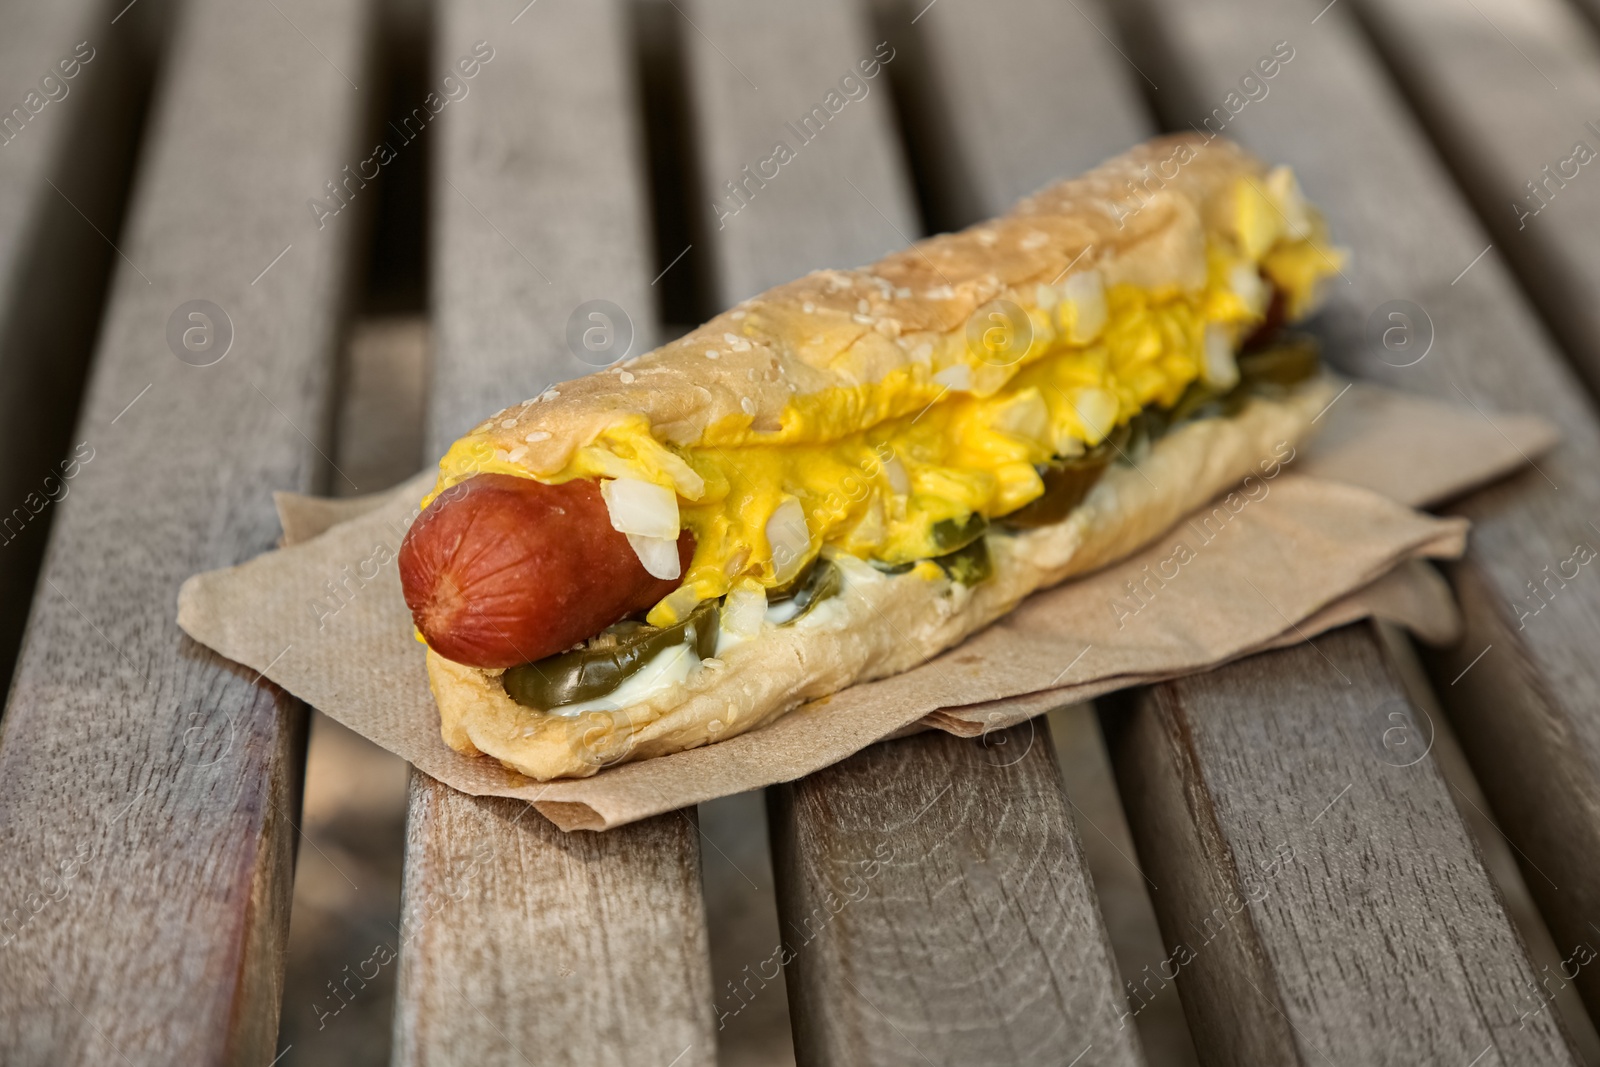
[(506, 424), (747, 405), (536, 436), (865, 320), (862, 305), (712, 353), (808, 307), (903, 293), (626, 377), (517, 453), (737, 315), (732, 339)]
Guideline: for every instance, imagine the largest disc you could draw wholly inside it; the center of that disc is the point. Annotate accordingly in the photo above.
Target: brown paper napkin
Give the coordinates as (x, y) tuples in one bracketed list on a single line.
[(324, 618)]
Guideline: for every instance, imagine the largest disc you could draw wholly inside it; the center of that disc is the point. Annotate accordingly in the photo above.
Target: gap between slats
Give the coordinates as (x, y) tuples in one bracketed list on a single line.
[(339, 983)]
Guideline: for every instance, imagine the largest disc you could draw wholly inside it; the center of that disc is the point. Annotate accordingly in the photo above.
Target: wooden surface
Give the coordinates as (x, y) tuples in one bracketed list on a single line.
[(1502, 113), (585, 949), (1525, 711), (1321, 900), (1061, 101), (937, 906), (867, 988), (755, 69), (63, 179), (1100, 63), (1096, 62), (525, 945), (933, 891), (164, 778)]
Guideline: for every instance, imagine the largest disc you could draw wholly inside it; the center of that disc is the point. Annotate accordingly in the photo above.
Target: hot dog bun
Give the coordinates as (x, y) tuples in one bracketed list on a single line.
[(1132, 227), (880, 625), (841, 352)]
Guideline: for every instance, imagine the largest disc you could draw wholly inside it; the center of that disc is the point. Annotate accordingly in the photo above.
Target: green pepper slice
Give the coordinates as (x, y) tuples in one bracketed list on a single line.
[(949, 535), (1289, 361), (822, 580), (1066, 483), (969, 564), (608, 659)]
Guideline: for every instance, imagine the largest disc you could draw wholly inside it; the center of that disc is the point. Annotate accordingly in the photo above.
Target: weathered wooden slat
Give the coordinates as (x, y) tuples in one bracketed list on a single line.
[(1321, 899), (66, 144), (1062, 101), (147, 788), (843, 197), (931, 891), (937, 909), (1508, 112), (1277, 699), (522, 944), (1520, 689)]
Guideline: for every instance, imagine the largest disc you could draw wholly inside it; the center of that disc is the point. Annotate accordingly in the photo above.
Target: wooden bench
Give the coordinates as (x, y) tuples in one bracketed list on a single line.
[(149, 791)]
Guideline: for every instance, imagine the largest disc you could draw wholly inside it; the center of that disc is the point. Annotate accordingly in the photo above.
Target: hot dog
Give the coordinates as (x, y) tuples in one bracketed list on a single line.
[(860, 468), (500, 570)]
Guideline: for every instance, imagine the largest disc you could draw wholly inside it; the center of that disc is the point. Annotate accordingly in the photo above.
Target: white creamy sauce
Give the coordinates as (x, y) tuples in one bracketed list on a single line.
[(672, 666), (782, 611), (666, 668)]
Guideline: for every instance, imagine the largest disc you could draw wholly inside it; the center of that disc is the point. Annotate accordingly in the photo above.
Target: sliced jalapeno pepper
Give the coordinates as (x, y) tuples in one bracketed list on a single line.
[(821, 581), (969, 564), (1066, 483), (607, 660), (949, 535), (1288, 362)]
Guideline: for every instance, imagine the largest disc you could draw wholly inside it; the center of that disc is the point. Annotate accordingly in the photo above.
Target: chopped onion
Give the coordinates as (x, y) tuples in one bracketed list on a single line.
[(689, 485), (744, 610), (1024, 416), (957, 376), (1084, 313), (895, 471), (1285, 192), (658, 554), (1245, 280), (643, 508), (1097, 409), (1221, 370), (790, 539)]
